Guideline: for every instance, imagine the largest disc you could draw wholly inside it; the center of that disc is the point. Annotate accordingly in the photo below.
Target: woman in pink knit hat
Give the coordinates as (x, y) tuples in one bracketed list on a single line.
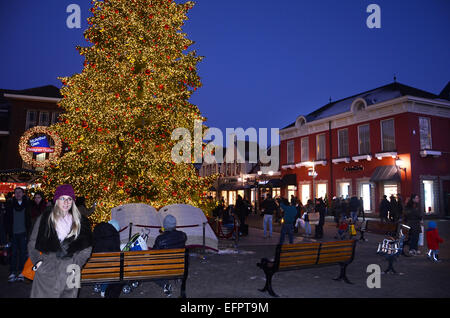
[(61, 239)]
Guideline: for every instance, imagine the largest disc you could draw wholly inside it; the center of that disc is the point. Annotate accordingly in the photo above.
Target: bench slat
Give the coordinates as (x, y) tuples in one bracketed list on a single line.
[(153, 274), (300, 246), (101, 264)]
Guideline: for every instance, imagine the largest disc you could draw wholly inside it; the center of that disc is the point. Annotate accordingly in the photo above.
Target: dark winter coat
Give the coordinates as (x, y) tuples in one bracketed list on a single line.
[(106, 238), (170, 239), (414, 217), (354, 204), (269, 206), (50, 280), (385, 207), (9, 215)]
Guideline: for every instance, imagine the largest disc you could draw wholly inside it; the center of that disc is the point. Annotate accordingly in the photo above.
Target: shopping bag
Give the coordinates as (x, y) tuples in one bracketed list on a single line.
[(420, 243), (28, 271)]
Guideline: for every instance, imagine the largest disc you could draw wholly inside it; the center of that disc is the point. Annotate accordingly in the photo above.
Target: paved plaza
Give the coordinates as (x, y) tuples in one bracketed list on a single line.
[(232, 272)]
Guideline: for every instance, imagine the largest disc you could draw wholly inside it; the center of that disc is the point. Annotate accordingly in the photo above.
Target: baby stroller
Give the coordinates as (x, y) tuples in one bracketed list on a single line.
[(138, 242)]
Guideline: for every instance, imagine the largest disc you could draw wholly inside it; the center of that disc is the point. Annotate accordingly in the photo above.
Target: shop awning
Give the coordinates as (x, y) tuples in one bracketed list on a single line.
[(272, 183), (385, 173), (289, 179)]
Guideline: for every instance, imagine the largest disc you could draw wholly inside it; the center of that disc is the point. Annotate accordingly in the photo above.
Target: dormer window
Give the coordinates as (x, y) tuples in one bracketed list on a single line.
[(301, 121), (359, 105)]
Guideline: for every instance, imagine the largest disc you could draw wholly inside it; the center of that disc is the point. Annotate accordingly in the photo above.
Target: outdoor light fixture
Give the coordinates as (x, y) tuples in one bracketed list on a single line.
[(400, 164)]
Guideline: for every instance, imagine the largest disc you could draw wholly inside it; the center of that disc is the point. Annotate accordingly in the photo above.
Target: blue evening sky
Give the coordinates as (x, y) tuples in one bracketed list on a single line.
[(266, 61)]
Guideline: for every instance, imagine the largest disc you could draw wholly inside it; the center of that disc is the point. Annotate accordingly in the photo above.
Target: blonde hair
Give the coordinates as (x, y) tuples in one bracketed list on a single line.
[(76, 219)]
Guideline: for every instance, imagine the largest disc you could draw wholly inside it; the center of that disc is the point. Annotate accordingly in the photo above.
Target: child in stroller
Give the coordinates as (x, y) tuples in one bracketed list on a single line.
[(345, 226)]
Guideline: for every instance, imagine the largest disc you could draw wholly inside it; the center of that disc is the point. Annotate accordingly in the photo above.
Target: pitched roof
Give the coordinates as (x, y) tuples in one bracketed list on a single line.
[(42, 91), (445, 93), (373, 96)]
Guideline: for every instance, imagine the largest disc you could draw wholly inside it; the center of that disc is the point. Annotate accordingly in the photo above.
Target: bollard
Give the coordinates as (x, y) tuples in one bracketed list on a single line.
[(129, 235)]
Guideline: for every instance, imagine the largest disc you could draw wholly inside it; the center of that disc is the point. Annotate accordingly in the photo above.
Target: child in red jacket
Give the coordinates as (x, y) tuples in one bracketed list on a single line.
[(433, 240)]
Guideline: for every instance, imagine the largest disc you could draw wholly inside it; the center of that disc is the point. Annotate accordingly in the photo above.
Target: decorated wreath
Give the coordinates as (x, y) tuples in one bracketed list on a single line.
[(27, 155)]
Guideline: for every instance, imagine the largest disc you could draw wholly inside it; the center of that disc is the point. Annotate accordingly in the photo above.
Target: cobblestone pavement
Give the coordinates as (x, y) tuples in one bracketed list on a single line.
[(232, 272)]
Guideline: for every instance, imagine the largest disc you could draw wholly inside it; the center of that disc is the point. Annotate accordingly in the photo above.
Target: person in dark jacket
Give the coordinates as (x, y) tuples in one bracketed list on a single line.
[(354, 208), (242, 211), (107, 239), (170, 238), (320, 207), (268, 207), (38, 206), (18, 228), (395, 209), (385, 207), (414, 220)]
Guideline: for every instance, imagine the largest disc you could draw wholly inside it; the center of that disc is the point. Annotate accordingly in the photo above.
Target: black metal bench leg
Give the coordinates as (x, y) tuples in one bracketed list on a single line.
[(183, 289), (343, 275), (268, 285)]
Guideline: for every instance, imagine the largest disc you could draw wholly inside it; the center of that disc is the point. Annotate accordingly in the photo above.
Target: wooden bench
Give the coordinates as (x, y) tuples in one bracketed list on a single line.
[(378, 227), (307, 255), (119, 267)]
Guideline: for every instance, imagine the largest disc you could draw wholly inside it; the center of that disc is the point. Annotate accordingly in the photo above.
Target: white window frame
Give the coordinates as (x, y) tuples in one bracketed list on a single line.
[(290, 151), (41, 122), (359, 138), (304, 152), (430, 140), (340, 154), (320, 149), (29, 124), (381, 130)]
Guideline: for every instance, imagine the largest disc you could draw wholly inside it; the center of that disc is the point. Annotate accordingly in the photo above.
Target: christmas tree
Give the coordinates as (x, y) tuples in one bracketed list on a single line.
[(121, 109)]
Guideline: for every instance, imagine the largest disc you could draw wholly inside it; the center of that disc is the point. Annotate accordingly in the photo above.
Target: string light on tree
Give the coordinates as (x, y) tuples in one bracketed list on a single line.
[(121, 109)]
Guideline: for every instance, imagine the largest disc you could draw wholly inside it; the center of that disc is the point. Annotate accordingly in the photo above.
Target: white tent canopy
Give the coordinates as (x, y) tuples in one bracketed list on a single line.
[(145, 218)]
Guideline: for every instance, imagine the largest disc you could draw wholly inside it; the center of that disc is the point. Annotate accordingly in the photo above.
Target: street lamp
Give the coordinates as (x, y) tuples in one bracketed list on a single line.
[(312, 172), (400, 164)]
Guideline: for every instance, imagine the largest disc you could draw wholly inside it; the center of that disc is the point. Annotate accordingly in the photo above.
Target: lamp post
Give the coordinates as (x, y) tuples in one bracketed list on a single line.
[(312, 173)]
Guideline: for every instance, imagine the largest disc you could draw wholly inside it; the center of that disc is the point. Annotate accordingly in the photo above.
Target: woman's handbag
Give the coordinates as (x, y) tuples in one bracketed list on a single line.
[(314, 218), (28, 271)]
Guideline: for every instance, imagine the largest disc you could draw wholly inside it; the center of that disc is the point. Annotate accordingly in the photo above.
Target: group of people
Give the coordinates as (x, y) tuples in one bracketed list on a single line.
[(291, 212), (57, 235), (234, 212), (391, 210)]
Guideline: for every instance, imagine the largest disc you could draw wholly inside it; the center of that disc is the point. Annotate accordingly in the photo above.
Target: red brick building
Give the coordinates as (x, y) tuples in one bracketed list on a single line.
[(389, 140), (19, 111)]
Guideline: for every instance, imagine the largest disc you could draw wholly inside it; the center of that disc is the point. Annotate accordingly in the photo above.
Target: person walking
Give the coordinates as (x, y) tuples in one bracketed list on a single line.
[(414, 221), (170, 238), (61, 238), (395, 209), (385, 207), (320, 207), (268, 207), (241, 212), (433, 240), (18, 227), (309, 208), (354, 208), (289, 213)]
